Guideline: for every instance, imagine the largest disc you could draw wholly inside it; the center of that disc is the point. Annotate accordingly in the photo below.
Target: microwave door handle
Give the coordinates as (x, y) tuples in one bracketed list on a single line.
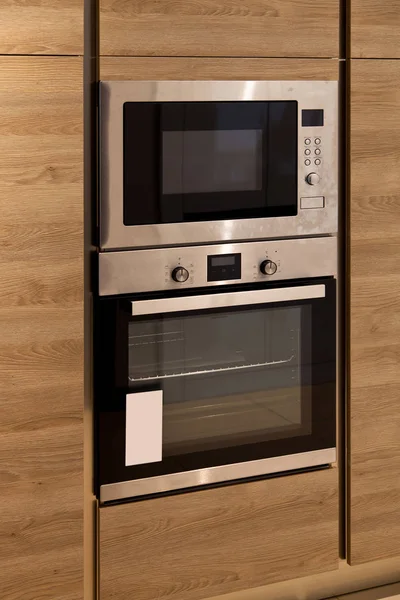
[(231, 299)]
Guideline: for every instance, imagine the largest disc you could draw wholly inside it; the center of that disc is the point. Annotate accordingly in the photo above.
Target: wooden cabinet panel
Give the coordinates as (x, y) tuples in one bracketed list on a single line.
[(41, 324), (41, 27), (375, 311), (219, 28), (121, 68), (375, 28), (211, 542)]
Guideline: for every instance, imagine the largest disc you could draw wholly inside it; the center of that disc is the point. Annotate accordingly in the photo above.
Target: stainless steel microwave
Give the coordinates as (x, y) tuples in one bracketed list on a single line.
[(184, 162)]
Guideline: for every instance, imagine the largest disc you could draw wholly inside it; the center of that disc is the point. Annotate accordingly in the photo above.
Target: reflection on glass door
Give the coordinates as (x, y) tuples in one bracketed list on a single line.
[(228, 378)]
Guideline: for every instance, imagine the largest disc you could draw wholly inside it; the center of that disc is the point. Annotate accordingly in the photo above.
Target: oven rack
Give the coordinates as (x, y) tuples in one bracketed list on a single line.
[(160, 338), (206, 371)]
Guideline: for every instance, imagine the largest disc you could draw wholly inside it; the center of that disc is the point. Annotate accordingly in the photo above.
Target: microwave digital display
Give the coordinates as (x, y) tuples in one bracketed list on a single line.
[(312, 118)]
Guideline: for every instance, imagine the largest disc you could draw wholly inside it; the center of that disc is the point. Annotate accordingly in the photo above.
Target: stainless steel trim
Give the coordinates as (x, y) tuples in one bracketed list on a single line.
[(308, 94), (188, 479), (168, 305), (150, 270)]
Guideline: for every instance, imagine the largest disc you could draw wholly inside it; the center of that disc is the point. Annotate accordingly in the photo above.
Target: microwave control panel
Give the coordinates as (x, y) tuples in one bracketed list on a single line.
[(222, 264), (312, 158)]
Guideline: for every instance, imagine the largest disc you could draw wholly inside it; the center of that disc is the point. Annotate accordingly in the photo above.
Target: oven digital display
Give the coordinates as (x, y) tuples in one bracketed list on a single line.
[(223, 261), (223, 267)]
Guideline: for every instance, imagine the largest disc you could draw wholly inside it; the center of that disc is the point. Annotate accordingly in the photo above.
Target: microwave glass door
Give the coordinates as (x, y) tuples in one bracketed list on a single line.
[(206, 161), (238, 383)]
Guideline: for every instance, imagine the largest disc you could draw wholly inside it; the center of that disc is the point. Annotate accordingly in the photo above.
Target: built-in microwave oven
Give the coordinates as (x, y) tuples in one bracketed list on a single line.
[(226, 374), (184, 162)]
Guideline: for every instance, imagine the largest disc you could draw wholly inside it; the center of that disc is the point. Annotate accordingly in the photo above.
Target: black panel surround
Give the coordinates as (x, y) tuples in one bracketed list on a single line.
[(161, 138)]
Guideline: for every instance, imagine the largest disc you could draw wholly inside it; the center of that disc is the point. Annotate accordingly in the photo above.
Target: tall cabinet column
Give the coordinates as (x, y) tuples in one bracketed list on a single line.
[(41, 300), (374, 398)]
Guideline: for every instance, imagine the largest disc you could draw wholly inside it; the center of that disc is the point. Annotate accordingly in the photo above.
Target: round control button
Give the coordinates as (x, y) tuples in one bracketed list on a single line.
[(317, 141), (317, 151), (268, 267), (317, 161), (307, 151), (180, 274), (312, 178), (307, 162), (307, 141)]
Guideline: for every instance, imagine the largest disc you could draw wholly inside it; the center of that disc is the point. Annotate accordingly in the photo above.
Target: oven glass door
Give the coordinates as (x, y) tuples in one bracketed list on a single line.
[(207, 161), (250, 377)]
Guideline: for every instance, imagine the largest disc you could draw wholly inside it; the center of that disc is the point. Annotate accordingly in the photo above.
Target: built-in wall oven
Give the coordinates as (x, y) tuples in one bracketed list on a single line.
[(185, 162), (213, 364)]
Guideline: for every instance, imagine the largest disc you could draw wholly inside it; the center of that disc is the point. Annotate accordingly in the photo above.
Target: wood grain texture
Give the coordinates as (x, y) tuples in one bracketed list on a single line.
[(41, 27), (41, 324), (375, 311), (219, 28), (375, 29), (122, 68), (211, 542)]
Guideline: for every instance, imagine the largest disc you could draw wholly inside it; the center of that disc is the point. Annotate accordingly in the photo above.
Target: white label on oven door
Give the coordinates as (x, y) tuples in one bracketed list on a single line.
[(143, 431)]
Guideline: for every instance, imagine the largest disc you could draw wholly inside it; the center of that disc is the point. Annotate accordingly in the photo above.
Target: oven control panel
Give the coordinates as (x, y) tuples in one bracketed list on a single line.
[(219, 264)]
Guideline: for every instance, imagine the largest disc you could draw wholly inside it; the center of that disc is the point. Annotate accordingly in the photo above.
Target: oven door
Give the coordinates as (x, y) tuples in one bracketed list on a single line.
[(214, 387)]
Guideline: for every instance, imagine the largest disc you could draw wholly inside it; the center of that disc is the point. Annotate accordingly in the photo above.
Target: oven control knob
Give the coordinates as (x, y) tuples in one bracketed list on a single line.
[(268, 267), (180, 274), (312, 178)]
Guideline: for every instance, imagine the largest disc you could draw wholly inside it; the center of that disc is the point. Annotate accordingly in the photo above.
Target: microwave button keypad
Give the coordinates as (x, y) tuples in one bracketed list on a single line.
[(316, 151)]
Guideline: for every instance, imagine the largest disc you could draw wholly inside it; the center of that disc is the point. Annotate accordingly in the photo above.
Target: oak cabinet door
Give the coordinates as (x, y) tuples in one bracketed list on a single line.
[(41, 328), (41, 27), (374, 501), (210, 542), (375, 29), (219, 28)]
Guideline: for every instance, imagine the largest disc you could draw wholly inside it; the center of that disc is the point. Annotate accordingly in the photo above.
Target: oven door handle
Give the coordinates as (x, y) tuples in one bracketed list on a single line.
[(231, 299)]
